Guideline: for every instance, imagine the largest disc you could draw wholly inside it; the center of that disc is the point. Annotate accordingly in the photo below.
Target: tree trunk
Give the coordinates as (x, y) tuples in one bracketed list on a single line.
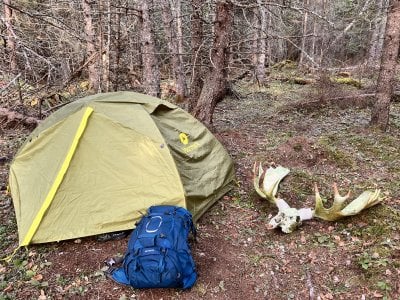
[(11, 44), (178, 17), (107, 53), (170, 27), (304, 34), (93, 73), (260, 68), (380, 111), (196, 82), (375, 51), (151, 72), (215, 86), (117, 49), (256, 38)]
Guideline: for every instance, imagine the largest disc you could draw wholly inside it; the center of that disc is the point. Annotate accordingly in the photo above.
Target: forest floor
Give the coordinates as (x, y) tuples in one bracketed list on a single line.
[(236, 256)]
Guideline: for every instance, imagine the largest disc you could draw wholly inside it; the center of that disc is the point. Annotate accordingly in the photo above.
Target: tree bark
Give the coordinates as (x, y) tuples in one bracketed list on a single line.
[(107, 52), (151, 72), (304, 34), (196, 82), (178, 17), (117, 49), (260, 67), (375, 51), (90, 35), (215, 86), (11, 43), (256, 38), (380, 111), (170, 27)]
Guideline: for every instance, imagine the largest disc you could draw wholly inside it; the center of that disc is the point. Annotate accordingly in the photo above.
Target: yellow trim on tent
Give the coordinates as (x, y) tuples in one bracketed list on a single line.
[(59, 178)]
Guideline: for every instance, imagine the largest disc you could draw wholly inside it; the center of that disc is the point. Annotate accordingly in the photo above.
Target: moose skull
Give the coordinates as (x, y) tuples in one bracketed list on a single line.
[(266, 184), (289, 218)]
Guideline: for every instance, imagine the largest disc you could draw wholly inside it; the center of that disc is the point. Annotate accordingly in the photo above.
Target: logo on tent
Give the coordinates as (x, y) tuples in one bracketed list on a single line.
[(184, 138)]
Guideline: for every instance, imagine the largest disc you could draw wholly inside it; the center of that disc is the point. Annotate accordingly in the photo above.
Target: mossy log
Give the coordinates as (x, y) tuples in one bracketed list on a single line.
[(296, 80), (302, 81), (347, 80), (285, 64)]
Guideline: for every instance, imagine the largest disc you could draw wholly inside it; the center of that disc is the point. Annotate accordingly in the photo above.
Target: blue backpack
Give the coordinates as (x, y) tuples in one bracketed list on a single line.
[(158, 254)]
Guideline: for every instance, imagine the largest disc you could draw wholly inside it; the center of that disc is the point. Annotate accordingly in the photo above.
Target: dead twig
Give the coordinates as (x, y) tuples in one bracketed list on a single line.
[(310, 287), (10, 83)]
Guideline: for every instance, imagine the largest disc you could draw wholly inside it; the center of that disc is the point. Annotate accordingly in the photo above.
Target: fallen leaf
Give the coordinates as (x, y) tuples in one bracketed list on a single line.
[(312, 256), (42, 295), (38, 277), (377, 295), (34, 102), (328, 296), (303, 239), (8, 288), (29, 273)]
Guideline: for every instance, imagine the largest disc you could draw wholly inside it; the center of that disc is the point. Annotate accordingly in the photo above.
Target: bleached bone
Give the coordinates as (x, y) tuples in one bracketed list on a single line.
[(289, 218), (337, 211), (270, 178), (266, 184)]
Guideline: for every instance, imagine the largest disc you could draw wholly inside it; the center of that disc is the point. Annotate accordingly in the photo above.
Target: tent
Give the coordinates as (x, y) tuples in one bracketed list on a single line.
[(97, 164)]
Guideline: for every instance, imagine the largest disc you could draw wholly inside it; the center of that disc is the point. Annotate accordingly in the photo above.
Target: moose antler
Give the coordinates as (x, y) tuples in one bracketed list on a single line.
[(270, 178), (336, 211), (266, 184)]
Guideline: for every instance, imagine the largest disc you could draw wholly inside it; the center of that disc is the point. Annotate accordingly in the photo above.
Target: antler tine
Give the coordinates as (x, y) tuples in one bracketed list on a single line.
[(337, 196), (335, 212), (338, 200), (257, 178)]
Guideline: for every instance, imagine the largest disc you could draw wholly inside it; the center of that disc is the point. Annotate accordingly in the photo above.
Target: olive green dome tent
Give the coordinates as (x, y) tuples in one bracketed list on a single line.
[(97, 164)]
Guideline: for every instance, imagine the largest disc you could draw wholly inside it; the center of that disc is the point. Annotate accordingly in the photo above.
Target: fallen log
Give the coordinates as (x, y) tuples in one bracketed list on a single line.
[(343, 102), (11, 119)]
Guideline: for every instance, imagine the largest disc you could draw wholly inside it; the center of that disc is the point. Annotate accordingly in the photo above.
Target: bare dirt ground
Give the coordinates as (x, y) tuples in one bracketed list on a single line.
[(236, 256)]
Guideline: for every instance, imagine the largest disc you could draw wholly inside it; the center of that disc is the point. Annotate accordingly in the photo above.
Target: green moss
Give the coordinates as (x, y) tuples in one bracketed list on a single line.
[(298, 185), (347, 80), (274, 139), (285, 64), (334, 154), (377, 147)]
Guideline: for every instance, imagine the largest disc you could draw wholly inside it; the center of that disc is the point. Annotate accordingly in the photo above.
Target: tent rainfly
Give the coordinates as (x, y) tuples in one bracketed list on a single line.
[(97, 164)]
